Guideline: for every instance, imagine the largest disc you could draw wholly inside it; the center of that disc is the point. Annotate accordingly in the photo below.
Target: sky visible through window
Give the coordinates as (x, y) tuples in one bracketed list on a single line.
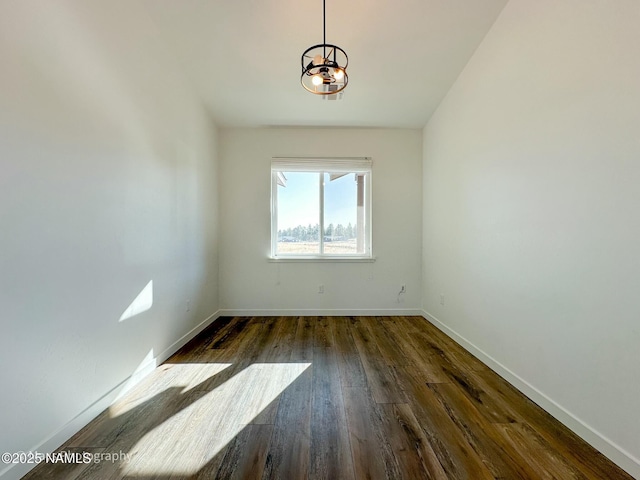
[(298, 202)]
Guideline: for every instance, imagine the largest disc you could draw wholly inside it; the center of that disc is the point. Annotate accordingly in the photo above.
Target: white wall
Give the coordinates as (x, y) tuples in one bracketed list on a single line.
[(107, 182), (249, 282), (531, 225)]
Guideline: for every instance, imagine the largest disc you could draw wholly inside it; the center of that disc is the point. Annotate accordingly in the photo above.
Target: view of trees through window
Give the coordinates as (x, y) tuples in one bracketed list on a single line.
[(337, 239), (310, 233), (299, 208)]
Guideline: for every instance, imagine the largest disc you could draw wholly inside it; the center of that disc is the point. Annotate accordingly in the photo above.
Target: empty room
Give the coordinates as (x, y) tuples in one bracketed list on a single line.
[(319, 239)]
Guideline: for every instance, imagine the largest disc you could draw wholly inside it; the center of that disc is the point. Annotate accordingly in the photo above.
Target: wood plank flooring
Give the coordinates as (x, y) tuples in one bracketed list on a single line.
[(326, 398)]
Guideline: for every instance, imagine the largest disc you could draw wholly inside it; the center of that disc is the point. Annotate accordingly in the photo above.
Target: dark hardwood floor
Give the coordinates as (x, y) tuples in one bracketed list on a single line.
[(331, 398)]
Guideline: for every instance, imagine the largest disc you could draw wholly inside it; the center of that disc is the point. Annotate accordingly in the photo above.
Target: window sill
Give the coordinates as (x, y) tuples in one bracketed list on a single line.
[(323, 259)]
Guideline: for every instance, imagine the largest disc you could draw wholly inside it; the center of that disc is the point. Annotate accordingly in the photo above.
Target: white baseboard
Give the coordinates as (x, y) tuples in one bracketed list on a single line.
[(611, 450), (57, 438), (320, 312), (182, 341)]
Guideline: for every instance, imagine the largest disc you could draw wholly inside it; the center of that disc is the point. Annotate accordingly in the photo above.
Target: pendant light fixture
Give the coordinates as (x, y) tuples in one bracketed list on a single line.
[(324, 66)]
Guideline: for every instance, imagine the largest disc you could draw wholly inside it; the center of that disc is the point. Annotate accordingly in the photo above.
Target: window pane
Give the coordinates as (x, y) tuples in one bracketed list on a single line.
[(340, 213), (299, 214)]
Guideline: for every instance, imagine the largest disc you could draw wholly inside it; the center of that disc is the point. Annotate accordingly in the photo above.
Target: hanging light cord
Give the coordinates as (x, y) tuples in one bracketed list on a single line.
[(324, 27)]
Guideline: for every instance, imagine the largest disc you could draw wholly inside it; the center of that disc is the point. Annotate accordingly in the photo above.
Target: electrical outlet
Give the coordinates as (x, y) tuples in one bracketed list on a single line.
[(320, 288), (442, 299)]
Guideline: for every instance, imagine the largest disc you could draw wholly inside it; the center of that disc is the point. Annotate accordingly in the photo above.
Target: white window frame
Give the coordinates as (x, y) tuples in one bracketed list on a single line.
[(321, 166)]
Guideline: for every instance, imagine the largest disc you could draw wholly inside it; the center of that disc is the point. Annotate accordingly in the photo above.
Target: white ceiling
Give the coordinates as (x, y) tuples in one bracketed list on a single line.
[(243, 56)]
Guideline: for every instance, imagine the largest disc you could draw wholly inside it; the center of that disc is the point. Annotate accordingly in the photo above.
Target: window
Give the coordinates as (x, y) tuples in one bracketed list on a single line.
[(321, 208)]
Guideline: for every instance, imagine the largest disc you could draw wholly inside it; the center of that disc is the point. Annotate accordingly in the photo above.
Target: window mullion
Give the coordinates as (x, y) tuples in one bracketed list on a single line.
[(274, 214), (321, 211)]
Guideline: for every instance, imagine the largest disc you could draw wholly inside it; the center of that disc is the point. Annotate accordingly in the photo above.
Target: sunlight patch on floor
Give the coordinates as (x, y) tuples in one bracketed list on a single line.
[(210, 421), (179, 377)]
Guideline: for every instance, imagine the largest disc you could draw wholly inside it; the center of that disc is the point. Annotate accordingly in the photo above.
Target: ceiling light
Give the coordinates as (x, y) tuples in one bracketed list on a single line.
[(324, 66)]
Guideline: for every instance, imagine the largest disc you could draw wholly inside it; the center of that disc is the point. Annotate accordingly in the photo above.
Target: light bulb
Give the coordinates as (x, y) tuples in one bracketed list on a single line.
[(338, 73), (316, 80)]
